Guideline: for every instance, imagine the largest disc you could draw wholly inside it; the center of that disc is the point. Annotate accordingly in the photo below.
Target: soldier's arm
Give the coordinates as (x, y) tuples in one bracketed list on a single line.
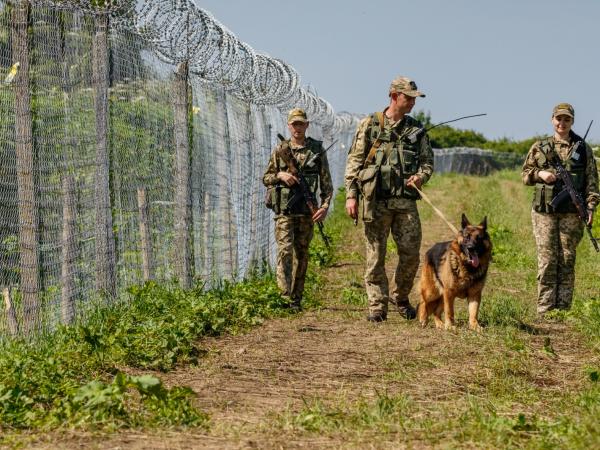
[(425, 160), (531, 169), (325, 183), (591, 188), (356, 158), (270, 176)]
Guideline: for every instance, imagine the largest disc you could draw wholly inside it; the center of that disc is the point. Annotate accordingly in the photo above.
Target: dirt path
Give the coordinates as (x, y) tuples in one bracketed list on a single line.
[(253, 384)]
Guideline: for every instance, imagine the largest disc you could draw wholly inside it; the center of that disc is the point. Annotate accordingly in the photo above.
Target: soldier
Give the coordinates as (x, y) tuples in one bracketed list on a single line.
[(558, 230), (293, 219), (390, 154)]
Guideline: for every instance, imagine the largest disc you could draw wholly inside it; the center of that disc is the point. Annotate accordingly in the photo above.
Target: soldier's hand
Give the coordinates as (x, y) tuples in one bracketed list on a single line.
[(415, 180), (319, 215), (590, 217), (547, 176), (352, 208), (287, 178)]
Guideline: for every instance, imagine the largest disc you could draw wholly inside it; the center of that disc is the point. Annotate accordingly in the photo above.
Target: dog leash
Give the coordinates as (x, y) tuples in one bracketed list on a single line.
[(437, 211)]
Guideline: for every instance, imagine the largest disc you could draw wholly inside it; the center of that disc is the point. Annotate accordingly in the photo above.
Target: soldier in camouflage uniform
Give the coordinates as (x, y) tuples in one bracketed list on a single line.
[(294, 222), (390, 154), (558, 231)]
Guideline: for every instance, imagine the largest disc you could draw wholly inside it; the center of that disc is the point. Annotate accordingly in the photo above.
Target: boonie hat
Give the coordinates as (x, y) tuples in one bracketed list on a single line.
[(563, 109), (406, 86), (297, 115)]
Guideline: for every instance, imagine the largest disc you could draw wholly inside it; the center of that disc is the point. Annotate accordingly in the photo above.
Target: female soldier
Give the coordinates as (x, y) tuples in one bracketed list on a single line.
[(557, 226)]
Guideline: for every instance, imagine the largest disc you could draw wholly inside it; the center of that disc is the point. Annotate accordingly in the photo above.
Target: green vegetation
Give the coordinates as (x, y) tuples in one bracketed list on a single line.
[(503, 399), (445, 136), (504, 394), (77, 377)]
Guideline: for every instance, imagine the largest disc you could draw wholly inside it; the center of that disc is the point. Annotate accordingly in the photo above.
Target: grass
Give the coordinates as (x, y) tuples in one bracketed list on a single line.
[(522, 383), (510, 392), (77, 377)]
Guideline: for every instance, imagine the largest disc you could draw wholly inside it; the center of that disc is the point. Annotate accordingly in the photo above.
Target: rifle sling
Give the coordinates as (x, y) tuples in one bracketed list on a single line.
[(377, 143)]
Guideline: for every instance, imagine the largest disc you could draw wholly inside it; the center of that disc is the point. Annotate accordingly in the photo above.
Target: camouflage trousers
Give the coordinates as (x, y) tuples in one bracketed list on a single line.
[(293, 235), (402, 220), (556, 237)]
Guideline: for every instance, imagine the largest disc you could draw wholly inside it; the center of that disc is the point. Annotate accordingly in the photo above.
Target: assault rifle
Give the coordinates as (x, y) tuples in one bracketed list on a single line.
[(304, 192), (569, 190)]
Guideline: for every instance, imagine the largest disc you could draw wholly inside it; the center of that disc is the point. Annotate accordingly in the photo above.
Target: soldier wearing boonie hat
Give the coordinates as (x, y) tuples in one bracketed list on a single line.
[(390, 154), (293, 220), (558, 229)]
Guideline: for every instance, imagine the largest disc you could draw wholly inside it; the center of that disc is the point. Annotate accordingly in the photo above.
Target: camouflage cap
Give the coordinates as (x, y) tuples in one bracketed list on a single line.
[(297, 115), (406, 86), (563, 109)]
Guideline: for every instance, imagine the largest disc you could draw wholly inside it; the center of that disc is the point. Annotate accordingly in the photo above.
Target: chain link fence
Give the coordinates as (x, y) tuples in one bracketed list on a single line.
[(133, 138)]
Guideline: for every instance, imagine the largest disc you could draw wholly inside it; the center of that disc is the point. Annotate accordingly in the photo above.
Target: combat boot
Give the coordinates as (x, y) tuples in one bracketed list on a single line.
[(296, 304), (378, 316), (406, 310)]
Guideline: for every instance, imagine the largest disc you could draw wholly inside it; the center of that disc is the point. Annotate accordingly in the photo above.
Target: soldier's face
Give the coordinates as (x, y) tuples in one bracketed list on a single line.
[(562, 124), (298, 129), (404, 103)]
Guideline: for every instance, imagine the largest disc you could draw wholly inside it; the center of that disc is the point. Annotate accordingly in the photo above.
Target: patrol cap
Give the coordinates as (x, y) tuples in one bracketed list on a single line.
[(406, 86), (563, 109), (297, 115)]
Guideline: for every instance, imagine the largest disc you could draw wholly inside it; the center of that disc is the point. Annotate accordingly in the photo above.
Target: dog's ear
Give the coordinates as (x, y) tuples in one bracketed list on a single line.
[(483, 223), (464, 222)]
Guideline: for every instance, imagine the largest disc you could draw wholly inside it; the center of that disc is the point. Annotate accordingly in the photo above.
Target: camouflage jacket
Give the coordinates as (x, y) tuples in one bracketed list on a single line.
[(325, 185), (536, 161), (362, 144)]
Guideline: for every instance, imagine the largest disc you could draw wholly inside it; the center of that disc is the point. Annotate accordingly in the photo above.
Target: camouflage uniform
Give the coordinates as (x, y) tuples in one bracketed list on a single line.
[(294, 229), (557, 233), (396, 213)]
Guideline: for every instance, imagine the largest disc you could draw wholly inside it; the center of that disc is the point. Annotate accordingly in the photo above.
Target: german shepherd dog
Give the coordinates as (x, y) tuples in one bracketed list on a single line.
[(453, 269)]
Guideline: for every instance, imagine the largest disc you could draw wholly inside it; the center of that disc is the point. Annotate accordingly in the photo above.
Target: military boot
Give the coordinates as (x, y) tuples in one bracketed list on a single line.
[(296, 304), (378, 316), (405, 309)]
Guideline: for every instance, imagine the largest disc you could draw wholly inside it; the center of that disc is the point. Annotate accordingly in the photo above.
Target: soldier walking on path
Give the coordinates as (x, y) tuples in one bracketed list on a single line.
[(558, 227), (293, 218), (390, 154)]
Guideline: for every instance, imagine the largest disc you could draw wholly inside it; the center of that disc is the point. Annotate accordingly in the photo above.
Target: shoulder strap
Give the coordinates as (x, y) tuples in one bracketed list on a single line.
[(377, 117)]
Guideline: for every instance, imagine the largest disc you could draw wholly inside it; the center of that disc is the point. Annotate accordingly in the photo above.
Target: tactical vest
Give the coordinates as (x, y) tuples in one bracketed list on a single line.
[(576, 165), (397, 158), (283, 193)]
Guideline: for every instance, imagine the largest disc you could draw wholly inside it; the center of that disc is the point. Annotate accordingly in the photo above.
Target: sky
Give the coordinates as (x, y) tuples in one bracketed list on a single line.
[(511, 59)]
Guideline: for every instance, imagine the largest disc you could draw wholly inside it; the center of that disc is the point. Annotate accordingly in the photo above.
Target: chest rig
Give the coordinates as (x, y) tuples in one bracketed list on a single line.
[(284, 193), (397, 155), (575, 165)]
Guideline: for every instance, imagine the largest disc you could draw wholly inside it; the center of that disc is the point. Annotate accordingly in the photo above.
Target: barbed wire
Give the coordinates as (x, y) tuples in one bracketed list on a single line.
[(178, 30)]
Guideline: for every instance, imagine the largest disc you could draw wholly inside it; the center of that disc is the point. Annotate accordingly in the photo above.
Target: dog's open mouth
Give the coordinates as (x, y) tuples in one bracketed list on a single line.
[(472, 258)]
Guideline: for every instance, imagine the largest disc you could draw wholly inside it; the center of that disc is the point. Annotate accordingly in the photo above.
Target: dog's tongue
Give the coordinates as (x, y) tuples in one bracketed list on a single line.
[(474, 260)]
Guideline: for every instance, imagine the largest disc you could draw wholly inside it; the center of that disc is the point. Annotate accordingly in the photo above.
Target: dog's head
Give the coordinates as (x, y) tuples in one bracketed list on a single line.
[(474, 241)]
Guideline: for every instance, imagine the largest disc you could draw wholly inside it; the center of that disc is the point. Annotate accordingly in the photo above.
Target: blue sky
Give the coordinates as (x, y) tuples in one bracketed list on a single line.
[(512, 59)]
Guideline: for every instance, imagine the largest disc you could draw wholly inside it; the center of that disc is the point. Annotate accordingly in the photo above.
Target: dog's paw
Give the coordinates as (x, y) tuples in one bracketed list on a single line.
[(475, 327), (448, 326)]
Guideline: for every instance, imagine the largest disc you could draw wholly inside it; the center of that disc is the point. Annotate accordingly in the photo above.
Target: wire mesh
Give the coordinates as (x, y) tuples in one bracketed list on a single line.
[(104, 178)]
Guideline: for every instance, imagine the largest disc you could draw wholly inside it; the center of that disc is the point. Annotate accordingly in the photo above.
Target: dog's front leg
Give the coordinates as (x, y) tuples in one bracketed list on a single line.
[(449, 310), (474, 301)]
